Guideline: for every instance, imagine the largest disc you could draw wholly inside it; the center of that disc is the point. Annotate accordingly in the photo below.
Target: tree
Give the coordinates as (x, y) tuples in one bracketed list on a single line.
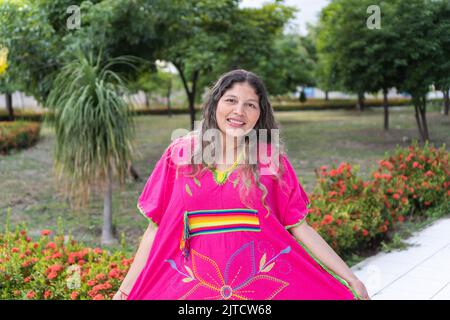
[(441, 22), (419, 48), (209, 37), (32, 45), (93, 129), (289, 65)]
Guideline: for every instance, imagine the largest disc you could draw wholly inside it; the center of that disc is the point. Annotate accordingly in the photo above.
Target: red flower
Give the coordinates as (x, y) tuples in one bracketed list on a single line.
[(47, 294), (74, 295), (99, 297), (100, 276), (50, 245), (401, 218), (415, 164), (27, 279), (327, 219), (365, 233), (46, 232), (31, 294), (396, 196), (14, 250), (114, 274), (52, 275), (91, 283)]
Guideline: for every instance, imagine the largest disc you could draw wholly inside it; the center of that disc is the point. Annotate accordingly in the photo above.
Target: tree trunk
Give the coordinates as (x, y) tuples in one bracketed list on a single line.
[(9, 106), (446, 101), (326, 96), (420, 114), (147, 100), (189, 92), (386, 110), (107, 230), (361, 101)]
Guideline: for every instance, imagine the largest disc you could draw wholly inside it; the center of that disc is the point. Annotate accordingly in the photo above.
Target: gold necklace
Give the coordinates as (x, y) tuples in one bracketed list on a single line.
[(221, 176)]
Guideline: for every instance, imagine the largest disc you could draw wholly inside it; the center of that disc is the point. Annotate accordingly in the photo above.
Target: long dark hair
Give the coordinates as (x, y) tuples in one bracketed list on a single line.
[(249, 173)]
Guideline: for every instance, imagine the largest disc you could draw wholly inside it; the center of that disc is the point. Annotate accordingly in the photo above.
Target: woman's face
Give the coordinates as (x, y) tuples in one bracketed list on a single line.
[(238, 110)]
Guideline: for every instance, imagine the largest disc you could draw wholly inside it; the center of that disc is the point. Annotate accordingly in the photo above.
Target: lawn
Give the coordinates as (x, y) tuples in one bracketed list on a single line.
[(313, 139)]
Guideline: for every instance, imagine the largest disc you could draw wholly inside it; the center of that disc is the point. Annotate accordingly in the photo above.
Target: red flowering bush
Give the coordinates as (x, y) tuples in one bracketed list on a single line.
[(345, 212), (413, 179), (350, 213), (57, 267)]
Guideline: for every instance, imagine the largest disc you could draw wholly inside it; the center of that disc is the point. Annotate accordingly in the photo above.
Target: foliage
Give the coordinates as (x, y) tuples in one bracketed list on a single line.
[(17, 135), (57, 268), (92, 122), (352, 214)]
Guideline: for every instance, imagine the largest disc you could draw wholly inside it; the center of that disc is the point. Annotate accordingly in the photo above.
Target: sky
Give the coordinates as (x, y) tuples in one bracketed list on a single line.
[(308, 11)]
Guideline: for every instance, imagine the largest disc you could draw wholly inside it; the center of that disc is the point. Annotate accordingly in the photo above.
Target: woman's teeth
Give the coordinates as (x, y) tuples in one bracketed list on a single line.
[(235, 122)]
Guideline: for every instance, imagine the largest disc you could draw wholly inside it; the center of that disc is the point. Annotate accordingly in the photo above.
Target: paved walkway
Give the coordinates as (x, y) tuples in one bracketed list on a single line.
[(421, 272)]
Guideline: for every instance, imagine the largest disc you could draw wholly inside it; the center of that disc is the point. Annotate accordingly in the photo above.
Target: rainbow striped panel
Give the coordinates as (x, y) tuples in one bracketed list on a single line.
[(226, 220)]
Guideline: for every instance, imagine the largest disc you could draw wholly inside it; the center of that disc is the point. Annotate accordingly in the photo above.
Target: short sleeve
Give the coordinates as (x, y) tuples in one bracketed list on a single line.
[(293, 202), (153, 201)]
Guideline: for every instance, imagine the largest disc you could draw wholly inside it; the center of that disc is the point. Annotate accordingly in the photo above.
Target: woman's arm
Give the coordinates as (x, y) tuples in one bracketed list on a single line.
[(323, 252), (138, 263)]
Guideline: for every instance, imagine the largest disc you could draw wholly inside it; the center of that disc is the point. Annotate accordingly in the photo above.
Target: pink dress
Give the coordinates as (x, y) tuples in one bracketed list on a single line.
[(209, 245)]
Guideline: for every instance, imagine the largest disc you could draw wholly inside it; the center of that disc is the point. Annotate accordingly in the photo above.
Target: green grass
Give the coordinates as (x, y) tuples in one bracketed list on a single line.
[(313, 138)]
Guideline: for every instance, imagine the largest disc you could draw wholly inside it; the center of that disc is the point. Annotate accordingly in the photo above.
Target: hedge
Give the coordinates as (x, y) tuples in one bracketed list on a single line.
[(18, 134)]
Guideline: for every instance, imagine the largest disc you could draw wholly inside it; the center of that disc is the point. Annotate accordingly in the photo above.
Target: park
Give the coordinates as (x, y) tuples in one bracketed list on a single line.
[(363, 113)]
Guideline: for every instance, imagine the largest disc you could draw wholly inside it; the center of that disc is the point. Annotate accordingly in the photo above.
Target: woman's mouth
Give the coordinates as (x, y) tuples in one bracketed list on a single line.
[(235, 123)]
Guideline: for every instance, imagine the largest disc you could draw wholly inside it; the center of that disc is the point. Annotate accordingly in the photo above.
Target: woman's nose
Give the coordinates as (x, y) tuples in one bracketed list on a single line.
[(239, 108)]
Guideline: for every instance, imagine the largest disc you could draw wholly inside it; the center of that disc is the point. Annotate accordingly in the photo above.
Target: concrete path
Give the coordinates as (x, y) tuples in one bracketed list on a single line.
[(420, 272)]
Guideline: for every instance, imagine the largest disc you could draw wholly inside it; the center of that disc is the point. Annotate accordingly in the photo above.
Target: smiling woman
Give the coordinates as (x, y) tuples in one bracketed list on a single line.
[(232, 235)]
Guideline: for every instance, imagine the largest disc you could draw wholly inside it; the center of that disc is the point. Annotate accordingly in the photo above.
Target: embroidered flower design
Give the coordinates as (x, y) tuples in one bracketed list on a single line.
[(241, 280)]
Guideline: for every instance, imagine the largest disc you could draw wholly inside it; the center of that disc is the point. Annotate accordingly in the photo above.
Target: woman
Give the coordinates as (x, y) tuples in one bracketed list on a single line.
[(232, 231)]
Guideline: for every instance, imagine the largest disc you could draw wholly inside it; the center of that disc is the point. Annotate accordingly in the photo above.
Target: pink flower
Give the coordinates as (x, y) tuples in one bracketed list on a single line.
[(74, 295), (31, 294)]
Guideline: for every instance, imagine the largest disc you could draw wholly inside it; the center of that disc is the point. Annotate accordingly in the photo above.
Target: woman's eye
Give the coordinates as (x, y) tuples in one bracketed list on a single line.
[(229, 100)]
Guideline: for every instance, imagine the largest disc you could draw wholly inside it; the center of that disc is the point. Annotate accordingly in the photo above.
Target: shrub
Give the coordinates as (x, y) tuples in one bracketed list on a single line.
[(18, 134), (57, 267), (350, 213), (345, 212), (413, 179)]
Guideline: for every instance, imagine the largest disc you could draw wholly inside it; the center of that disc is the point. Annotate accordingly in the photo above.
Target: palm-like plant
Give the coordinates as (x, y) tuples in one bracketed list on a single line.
[(93, 128)]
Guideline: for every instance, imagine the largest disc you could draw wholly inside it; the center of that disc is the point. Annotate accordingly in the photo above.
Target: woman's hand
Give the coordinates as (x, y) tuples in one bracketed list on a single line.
[(359, 287)]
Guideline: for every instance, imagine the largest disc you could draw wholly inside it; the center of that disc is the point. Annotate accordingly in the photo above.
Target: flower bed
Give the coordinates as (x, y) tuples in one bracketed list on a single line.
[(18, 134), (54, 268), (352, 214)]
